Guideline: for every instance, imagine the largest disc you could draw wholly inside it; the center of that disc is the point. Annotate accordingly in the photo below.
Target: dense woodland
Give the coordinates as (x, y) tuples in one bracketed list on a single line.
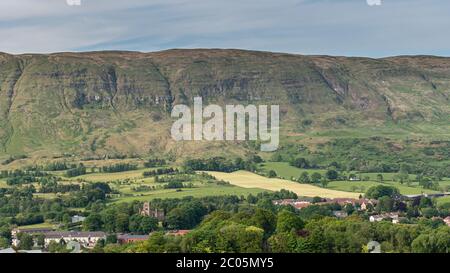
[(255, 225)]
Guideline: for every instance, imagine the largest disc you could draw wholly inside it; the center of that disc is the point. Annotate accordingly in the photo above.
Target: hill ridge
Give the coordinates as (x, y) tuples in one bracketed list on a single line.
[(119, 101)]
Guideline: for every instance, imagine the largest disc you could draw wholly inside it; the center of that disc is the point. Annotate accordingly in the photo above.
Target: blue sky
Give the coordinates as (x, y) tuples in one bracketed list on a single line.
[(333, 27)]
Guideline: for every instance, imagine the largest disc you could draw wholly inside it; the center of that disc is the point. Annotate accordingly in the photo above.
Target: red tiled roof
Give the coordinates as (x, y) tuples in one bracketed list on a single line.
[(178, 232)]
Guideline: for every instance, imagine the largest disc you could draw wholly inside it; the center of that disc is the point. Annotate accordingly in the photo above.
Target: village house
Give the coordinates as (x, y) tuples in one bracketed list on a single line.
[(78, 219), (393, 216), (298, 204), (86, 239), (376, 218), (365, 204), (362, 204), (340, 214), (29, 231), (129, 238)]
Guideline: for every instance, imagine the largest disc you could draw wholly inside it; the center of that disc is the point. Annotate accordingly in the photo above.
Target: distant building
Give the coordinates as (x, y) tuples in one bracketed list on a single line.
[(447, 221), (429, 195), (340, 214), (128, 238), (362, 203), (155, 213), (298, 204), (178, 232), (86, 239), (29, 231), (395, 219), (393, 216), (376, 218), (78, 219)]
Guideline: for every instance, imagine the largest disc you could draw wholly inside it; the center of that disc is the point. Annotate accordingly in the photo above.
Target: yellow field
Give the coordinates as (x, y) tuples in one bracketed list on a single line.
[(246, 179)]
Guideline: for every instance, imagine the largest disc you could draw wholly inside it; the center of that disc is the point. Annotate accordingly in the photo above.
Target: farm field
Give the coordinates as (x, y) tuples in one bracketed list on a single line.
[(105, 177), (213, 190), (125, 182), (386, 176), (241, 183), (283, 169), (362, 186), (250, 180)]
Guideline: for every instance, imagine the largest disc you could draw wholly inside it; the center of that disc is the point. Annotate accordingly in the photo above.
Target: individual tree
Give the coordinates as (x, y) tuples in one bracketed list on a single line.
[(185, 216), (324, 182), (429, 212), (156, 243), (40, 240), (4, 243), (266, 203), (301, 163), (26, 241), (425, 202), (385, 204), (238, 238), (332, 175), (55, 247), (93, 222), (304, 177), (288, 221), (111, 239), (264, 219), (382, 190), (121, 223), (148, 224), (349, 209), (316, 177), (285, 242), (272, 174), (380, 178)]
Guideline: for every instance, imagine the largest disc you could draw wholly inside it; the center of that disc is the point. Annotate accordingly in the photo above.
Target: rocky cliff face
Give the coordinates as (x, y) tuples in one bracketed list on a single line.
[(89, 103)]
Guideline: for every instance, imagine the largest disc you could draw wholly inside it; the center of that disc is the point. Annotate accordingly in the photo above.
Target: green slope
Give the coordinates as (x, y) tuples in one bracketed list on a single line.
[(101, 103)]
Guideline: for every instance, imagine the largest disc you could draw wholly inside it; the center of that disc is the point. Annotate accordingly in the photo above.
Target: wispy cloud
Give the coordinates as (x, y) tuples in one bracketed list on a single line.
[(337, 27)]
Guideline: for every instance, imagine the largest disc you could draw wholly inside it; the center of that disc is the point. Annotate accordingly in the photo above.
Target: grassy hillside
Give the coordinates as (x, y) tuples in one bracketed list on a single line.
[(108, 103)]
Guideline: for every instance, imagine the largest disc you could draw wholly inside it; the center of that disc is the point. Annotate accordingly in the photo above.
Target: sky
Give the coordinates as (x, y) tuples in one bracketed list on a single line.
[(372, 28)]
